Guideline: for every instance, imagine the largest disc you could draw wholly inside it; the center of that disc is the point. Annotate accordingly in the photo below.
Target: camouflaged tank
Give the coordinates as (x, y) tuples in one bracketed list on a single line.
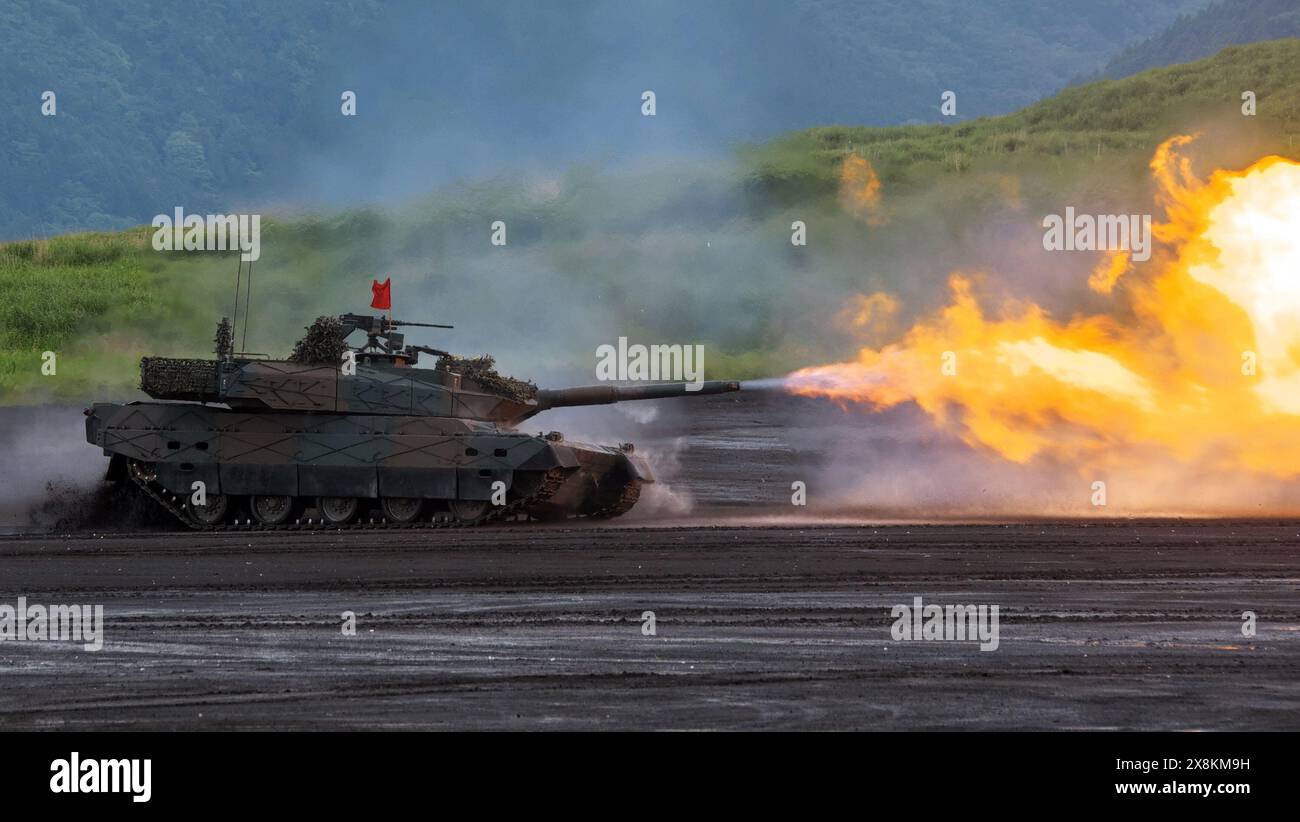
[(328, 438)]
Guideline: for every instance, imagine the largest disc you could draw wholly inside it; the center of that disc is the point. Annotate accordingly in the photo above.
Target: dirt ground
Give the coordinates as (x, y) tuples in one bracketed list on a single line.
[(1127, 625)]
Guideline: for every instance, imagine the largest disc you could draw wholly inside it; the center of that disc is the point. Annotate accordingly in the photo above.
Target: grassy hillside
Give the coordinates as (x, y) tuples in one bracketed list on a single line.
[(686, 252), (1106, 122), (80, 296)]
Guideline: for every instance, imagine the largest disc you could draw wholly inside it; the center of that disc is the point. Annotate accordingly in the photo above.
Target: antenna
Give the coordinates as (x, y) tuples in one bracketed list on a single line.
[(239, 273), (248, 298)]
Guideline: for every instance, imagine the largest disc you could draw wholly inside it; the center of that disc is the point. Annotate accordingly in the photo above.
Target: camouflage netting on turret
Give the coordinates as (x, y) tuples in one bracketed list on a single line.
[(324, 342), (481, 371), (166, 378), (225, 340)]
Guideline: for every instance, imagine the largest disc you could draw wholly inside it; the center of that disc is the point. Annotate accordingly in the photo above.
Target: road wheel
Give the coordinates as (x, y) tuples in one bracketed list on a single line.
[(338, 510), (467, 510), (402, 509), (212, 512), (274, 510)]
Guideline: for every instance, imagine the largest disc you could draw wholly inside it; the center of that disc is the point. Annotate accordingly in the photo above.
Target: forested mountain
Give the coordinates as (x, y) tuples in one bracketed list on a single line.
[(1191, 37), (162, 104)]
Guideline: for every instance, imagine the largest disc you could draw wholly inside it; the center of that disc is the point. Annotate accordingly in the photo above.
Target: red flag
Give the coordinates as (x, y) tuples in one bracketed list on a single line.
[(383, 298)]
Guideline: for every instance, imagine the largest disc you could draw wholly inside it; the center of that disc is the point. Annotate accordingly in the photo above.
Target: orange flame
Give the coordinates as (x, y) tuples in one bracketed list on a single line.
[(860, 189), (1199, 358)]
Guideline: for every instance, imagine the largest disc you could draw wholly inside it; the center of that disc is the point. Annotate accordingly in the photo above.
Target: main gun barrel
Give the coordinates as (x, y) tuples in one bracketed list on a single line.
[(606, 394)]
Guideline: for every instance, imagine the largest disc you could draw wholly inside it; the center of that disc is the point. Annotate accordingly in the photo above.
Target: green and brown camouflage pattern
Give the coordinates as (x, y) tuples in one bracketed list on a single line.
[(303, 431)]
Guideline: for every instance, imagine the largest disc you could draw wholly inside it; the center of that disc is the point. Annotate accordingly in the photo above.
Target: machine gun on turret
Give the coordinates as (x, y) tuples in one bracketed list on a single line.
[(384, 342)]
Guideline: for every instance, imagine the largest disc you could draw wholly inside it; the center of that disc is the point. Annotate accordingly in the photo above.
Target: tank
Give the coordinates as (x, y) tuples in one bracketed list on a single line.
[(343, 436)]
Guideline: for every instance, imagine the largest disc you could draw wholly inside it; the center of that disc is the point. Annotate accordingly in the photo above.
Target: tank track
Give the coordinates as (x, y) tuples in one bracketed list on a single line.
[(551, 482), (631, 493)]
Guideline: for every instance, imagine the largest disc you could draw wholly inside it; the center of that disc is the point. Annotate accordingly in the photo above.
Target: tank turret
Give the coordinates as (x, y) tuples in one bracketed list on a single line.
[(379, 378)]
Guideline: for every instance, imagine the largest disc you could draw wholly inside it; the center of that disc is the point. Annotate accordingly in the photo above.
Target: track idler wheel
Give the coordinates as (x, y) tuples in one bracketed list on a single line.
[(402, 510), (338, 510), (274, 510)]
